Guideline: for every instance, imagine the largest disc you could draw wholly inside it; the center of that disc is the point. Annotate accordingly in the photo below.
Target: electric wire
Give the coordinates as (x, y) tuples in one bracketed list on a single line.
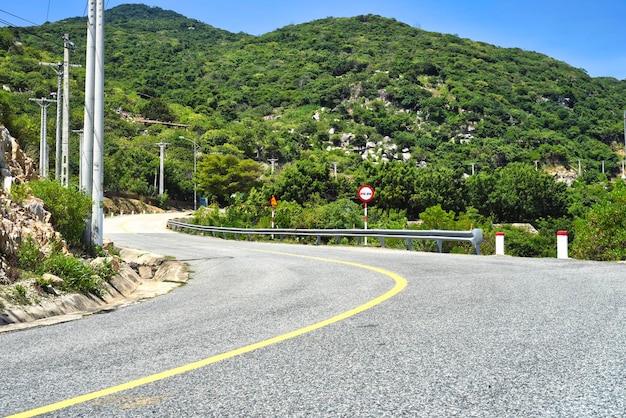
[(21, 18)]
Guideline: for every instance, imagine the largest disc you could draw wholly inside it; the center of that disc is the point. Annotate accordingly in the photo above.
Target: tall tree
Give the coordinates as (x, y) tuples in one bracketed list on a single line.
[(223, 175)]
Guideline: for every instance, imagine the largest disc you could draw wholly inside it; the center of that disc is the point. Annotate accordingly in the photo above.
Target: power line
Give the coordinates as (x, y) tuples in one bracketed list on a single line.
[(21, 18)]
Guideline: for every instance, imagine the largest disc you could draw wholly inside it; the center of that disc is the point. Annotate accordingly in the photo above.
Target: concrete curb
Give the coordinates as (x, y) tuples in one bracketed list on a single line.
[(125, 288)]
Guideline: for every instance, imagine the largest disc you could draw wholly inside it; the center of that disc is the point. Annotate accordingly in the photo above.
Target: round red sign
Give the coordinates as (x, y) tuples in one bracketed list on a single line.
[(366, 193)]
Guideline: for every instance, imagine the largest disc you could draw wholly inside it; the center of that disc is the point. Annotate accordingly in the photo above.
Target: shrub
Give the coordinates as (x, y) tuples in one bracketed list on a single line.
[(599, 235), (77, 275), (29, 257), (68, 206), (19, 295)]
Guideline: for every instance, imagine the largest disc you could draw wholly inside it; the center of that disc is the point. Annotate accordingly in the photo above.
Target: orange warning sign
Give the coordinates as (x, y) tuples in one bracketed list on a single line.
[(273, 201)]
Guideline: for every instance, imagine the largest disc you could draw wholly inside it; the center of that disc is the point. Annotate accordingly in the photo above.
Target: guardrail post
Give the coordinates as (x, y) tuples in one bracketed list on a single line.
[(499, 243), (409, 244), (561, 244), (319, 239), (439, 246)]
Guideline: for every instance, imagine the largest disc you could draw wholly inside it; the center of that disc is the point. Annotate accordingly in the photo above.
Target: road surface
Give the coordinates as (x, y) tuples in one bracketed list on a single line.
[(268, 329)]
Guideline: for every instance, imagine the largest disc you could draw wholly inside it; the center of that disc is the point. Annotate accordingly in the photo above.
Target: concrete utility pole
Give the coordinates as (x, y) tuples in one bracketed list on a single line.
[(81, 151), (98, 130), (58, 68), (65, 134), (272, 161), (65, 130), (195, 186), (162, 145), (86, 158), (43, 135), (92, 159)]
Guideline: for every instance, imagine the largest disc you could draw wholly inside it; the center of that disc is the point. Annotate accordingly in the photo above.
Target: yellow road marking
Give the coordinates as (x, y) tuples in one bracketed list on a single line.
[(400, 284)]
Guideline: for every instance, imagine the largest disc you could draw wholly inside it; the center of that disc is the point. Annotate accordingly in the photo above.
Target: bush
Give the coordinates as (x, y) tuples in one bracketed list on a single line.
[(78, 276), (28, 256), (522, 243), (600, 234), (69, 208)]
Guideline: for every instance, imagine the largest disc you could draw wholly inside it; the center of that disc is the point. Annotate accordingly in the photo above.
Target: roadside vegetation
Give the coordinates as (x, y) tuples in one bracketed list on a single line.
[(28, 280)]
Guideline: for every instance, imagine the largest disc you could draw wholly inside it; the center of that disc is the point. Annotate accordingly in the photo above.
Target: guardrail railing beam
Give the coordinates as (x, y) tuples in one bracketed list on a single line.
[(475, 236)]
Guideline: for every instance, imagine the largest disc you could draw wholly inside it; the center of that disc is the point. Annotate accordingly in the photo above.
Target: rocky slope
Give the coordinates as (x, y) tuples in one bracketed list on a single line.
[(23, 301)]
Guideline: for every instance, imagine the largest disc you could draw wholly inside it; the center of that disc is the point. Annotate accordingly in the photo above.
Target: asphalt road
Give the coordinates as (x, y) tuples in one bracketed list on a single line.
[(266, 329)]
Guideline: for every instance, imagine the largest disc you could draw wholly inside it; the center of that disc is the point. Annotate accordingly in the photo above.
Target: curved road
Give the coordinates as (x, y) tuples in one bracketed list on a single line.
[(266, 329)]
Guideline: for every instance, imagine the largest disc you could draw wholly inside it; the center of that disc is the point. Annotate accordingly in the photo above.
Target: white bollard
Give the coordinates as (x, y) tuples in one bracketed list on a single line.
[(499, 243), (132, 213), (561, 244), (121, 213)]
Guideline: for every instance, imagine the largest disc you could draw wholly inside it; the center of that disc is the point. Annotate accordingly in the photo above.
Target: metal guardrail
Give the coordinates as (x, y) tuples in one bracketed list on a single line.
[(474, 236)]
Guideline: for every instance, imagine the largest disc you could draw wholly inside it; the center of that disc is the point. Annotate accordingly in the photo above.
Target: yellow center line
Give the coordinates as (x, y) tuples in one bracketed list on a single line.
[(400, 284)]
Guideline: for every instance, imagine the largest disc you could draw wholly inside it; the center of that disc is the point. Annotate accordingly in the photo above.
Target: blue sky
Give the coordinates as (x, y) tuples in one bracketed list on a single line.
[(587, 34)]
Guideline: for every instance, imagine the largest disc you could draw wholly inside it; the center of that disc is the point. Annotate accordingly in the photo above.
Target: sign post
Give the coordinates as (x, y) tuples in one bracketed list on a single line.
[(273, 203), (366, 194)]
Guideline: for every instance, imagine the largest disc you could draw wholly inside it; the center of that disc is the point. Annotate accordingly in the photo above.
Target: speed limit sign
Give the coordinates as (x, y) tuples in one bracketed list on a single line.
[(366, 193)]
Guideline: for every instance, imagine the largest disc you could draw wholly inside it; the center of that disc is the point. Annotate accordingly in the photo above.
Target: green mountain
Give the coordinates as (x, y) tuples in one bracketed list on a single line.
[(339, 89)]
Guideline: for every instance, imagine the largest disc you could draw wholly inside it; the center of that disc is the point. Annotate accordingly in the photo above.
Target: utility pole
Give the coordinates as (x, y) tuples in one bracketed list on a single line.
[(65, 134), (57, 67), (43, 135), (92, 169), (272, 161), (97, 196), (195, 186), (81, 152), (86, 170), (162, 145)]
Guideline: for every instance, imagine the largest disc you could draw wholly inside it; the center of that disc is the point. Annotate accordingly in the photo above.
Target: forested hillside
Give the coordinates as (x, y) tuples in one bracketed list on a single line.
[(334, 102)]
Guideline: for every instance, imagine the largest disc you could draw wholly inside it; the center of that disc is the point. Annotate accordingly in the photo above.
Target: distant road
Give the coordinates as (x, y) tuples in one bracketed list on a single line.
[(267, 329)]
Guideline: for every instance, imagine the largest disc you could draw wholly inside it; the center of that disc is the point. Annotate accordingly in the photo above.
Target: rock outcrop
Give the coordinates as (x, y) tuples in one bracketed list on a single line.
[(25, 220), (15, 166), (138, 275)]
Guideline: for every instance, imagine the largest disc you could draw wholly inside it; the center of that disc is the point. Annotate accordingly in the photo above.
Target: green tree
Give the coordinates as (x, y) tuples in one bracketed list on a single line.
[(223, 175), (517, 193)]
